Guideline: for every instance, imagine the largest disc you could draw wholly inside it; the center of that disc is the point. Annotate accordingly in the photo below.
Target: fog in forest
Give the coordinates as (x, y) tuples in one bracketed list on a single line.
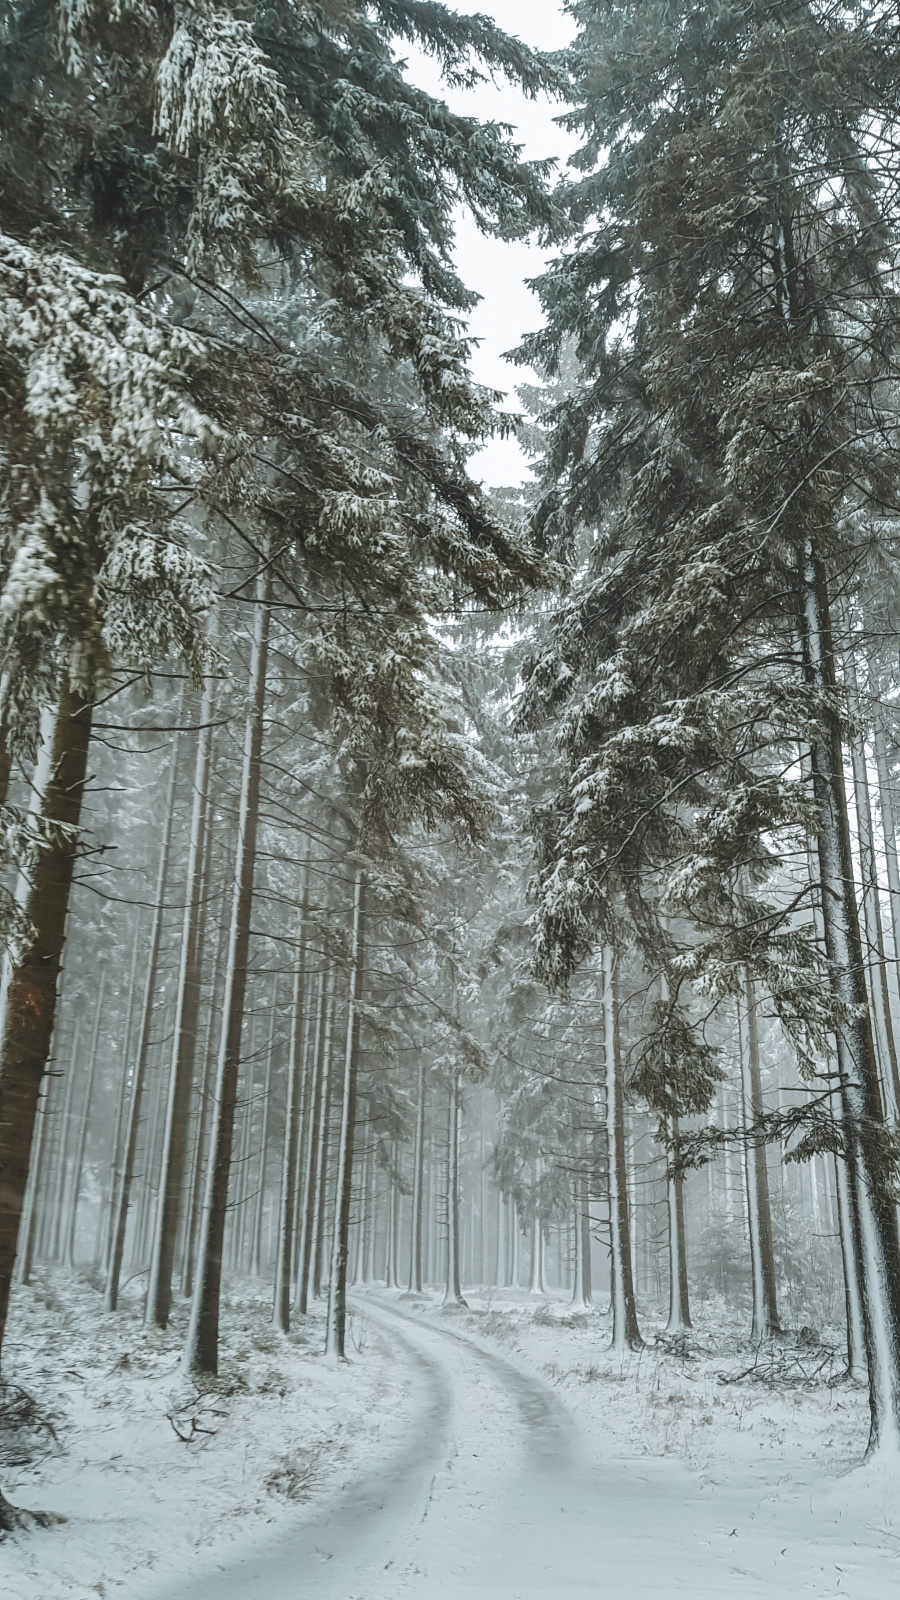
[(449, 793)]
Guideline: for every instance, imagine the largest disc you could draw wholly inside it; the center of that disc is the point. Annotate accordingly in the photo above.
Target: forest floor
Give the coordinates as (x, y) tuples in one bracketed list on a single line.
[(493, 1453)]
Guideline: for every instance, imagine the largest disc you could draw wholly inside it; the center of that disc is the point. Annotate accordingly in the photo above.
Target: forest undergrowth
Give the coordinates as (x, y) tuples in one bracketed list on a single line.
[(708, 1397), (151, 1472)]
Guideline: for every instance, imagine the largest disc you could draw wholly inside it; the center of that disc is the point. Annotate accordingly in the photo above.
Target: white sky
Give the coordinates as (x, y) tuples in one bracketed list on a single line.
[(496, 270)]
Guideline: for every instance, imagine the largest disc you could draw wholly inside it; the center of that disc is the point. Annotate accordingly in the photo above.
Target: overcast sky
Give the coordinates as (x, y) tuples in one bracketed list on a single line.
[(497, 270)]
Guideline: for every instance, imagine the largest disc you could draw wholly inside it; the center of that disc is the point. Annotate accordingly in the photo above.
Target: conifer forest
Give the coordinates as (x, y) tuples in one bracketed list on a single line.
[(449, 859)]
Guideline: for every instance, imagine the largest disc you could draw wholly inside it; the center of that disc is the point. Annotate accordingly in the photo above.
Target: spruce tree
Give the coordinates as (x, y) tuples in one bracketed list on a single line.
[(728, 295)]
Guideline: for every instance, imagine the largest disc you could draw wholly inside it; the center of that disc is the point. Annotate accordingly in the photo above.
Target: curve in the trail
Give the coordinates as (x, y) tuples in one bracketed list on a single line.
[(548, 1432), (354, 1531), (474, 1422), (484, 1492)]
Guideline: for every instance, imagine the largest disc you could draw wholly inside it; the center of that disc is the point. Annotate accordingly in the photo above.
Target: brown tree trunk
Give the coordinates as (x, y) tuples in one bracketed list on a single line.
[(337, 1286), (201, 1352), (626, 1333), (109, 1200), (256, 1239), (453, 1291), (679, 1303), (32, 1212), (173, 1164), (31, 996), (129, 1154), (81, 1146), (418, 1182), (582, 1289), (309, 1199), (281, 1310), (207, 1080), (60, 1163), (872, 1214), (323, 1151), (765, 1320)]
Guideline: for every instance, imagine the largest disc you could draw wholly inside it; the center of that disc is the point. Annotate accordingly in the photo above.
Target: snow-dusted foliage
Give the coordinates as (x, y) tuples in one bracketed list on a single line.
[(95, 411), (729, 421)]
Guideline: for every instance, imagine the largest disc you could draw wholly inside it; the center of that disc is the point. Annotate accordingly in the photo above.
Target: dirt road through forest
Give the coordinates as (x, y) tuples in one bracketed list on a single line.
[(485, 1489)]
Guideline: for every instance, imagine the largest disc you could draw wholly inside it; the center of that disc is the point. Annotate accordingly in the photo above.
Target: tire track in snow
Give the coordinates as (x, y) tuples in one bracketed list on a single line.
[(548, 1427), (351, 1533), (363, 1537)]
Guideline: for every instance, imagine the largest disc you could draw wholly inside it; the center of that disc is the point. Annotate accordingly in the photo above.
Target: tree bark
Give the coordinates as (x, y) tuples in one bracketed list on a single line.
[(281, 1313), (679, 1303), (415, 1246), (54, 1232), (32, 1211), (323, 1151), (259, 1197), (582, 1286), (876, 969), (765, 1321), (173, 1161), (31, 995), (109, 1201), (452, 1292), (889, 830), (309, 1207), (391, 1273), (625, 1331), (873, 1217), (81, 1146), (192, 1224), (337, 1285), (142, 1055), (201, 1353)]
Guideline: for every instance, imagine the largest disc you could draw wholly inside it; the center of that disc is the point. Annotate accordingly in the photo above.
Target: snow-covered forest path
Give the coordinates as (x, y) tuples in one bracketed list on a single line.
[(485, 1488)]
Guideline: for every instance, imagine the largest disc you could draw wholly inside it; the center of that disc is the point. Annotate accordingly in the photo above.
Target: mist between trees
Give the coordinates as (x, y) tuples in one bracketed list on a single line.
[(403, 883)]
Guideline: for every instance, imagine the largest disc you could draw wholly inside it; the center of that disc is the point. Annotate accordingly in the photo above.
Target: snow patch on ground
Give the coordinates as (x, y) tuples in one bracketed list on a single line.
[(154, 1474)]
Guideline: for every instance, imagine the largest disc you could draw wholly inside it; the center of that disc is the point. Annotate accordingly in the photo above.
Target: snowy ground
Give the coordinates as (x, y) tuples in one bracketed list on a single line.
[(152, 1475), (499, 1453)]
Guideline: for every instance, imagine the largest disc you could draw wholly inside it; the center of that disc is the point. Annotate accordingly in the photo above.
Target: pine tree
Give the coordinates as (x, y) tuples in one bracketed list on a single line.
[(729, 299), (250, 224)]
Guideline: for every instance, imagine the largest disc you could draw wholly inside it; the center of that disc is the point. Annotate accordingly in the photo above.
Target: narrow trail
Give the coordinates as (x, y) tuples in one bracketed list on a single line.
[(486, 1490)]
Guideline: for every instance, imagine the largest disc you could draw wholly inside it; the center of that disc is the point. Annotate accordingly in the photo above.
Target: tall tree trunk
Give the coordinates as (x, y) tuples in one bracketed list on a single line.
[(369, 1271), (765, 1321), (81, 1146), (581, 1228), (256, 1234), (207, 1080), (337, 1285), (61, 1153), (323, 1154), (109, 1199), (415, 1245), (309, 1199), (537, 1255), (856, 1333), (879, 995), (173, 1162), (297, 1070), (25, 1264), (873, 1216), (201, 1353), (391, 1266), (30, 1005), (888, 828), (142, 1054), (625, 1330), (679, 1303), (452, 1293)]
